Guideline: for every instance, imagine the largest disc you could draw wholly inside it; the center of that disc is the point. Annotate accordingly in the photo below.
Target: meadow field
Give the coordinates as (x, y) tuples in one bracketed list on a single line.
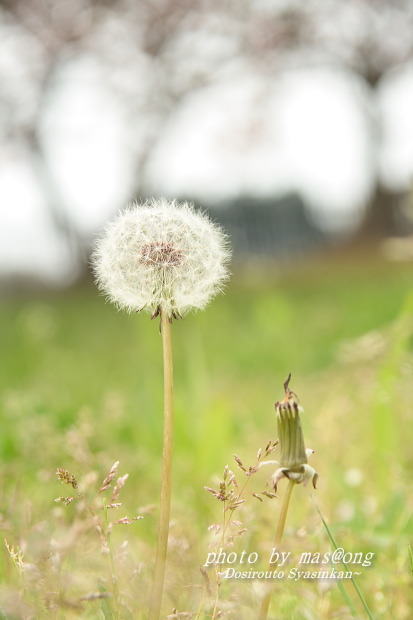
[(81, 388)]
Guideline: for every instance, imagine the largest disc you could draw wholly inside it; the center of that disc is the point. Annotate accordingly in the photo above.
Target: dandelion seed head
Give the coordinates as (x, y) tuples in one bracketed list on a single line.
[(161, 256)]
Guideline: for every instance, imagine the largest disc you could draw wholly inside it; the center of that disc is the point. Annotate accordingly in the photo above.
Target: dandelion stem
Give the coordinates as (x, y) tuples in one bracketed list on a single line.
[(278, 536), (168, 438)]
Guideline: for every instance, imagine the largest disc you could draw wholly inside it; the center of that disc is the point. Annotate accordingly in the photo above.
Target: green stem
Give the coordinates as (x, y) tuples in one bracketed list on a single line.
[(218, 583), (335, 545), (168, 439), (225, 524), (278, 536), (112, 561)]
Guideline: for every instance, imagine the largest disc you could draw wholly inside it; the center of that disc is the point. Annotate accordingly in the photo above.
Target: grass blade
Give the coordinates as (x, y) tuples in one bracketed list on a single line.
[(410, 552), (359, 593)]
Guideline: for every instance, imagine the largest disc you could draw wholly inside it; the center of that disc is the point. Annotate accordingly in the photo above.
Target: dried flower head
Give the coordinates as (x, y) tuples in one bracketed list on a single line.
[(66, 477), (17, 556), (294, 456), (161, 256)]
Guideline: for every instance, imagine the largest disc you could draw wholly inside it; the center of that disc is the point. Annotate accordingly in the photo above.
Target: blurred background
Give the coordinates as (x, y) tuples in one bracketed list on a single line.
[(291, 123)]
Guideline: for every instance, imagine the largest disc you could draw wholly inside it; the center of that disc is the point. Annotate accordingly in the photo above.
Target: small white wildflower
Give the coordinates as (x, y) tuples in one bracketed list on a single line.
[(161, 256)]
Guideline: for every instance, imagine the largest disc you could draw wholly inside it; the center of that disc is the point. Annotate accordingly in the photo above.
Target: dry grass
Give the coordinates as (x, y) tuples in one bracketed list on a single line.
[(81, 388)]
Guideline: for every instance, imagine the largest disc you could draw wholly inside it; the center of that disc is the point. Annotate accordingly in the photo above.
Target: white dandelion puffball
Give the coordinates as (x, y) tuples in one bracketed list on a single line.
[(161, 256)]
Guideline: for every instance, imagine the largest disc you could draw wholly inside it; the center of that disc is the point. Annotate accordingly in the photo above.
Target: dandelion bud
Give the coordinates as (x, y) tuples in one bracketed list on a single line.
[(294, 456), (161, 257)]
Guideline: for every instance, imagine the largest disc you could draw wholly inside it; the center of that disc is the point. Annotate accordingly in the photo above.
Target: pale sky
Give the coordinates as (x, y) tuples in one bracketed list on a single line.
[(396, 108), (306, 131)]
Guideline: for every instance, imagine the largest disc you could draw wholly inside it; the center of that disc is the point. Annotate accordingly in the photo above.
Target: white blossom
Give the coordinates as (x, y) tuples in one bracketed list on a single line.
[(161, 256)]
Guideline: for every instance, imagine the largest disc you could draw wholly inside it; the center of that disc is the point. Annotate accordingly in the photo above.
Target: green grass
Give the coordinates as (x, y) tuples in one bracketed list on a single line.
[(80, 387)]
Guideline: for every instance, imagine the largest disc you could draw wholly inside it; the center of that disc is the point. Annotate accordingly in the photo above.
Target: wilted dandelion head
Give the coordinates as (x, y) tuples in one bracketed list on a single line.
[(161, 256), (294, 456)]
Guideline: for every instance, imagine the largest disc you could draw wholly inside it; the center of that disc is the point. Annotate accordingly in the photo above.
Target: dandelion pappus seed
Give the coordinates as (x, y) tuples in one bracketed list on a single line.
[(161, 254), (161, 257)]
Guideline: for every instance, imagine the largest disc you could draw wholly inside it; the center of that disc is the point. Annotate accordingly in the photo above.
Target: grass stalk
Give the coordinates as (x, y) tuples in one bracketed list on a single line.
[(353, 581), (218, 581), (112, 562), (168, 438), (410, 552), (278, 536)]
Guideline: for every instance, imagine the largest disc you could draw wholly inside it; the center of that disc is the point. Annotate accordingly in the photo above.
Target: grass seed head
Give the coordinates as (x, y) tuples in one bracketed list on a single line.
[(16, 555), (66, 477), (106, 484)]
